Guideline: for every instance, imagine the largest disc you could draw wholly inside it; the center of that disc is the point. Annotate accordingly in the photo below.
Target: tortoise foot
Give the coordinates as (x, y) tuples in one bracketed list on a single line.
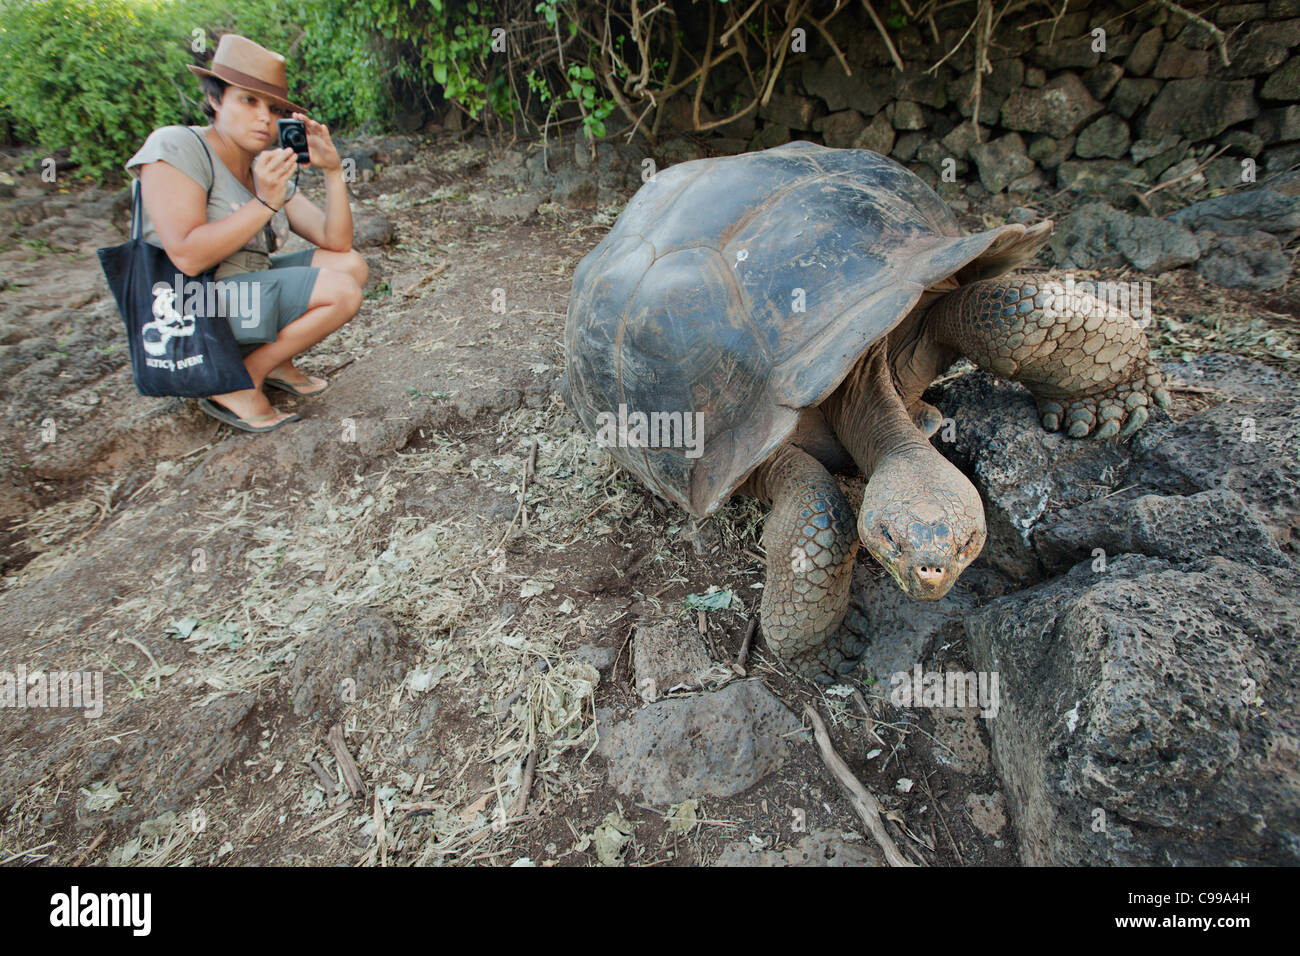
[(840, 655), (1120, 411)]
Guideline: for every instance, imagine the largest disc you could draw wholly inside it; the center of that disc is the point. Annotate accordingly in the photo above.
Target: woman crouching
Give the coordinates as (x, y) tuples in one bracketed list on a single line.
[(210, 195)]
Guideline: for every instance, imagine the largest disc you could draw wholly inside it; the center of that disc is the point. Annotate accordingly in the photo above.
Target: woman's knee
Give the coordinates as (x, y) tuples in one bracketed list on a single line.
[(356, 266), (338, 288)]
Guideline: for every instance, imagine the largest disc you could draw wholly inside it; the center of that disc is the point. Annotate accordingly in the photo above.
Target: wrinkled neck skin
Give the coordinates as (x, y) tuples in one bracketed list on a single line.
[(870, 420), (921, 518), (916, 357)]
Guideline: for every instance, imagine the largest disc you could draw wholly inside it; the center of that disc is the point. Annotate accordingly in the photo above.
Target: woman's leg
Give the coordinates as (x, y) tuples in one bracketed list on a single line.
[(335, 298), (352, 264)]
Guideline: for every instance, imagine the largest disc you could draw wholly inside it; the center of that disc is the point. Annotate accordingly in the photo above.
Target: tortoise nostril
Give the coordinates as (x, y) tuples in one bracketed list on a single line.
[(929, 574)]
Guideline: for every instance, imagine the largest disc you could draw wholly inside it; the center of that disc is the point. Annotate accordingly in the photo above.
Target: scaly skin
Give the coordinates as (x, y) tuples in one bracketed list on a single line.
[(811, 543), (921, 519), (1089, 371)]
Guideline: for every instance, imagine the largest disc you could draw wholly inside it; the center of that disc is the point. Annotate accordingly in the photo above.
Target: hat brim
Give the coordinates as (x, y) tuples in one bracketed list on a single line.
[(200, 71)]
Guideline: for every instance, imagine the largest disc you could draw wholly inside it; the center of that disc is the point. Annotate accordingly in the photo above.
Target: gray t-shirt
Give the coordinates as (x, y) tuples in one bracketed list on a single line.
[(178, 147)]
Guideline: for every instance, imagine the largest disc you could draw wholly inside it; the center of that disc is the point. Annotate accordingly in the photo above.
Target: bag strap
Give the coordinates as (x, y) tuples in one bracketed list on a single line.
[(137, 218), (135, 209), (212, 170)]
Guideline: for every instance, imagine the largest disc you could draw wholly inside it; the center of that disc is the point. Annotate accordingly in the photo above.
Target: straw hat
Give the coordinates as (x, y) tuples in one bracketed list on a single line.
[(241, 62)]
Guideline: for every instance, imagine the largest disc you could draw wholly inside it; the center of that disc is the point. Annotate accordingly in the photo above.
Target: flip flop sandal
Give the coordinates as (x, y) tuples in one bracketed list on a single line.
[(223, 414), (294, 389)]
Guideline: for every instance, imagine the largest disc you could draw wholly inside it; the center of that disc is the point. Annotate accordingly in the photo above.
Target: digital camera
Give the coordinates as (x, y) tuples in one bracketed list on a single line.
[(293, 134)]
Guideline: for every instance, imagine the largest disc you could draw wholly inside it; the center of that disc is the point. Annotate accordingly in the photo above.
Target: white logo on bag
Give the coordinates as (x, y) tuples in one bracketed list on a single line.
[(167, 321)]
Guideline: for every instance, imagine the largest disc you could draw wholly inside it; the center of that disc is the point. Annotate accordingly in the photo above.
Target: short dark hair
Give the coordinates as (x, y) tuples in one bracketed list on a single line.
[(214, 87)]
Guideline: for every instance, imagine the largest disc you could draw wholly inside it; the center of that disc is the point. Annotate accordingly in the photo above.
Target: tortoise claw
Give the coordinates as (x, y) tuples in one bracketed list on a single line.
[(1136, 419), (1108, 430), (1120, 411), (1050, 413)]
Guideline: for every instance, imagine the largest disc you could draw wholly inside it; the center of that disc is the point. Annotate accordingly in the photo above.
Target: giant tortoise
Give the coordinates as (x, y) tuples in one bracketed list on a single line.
[(796, 302)]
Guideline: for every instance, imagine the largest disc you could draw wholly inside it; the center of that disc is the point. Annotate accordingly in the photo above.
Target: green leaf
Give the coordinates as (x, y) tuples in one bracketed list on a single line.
[(716, 601)]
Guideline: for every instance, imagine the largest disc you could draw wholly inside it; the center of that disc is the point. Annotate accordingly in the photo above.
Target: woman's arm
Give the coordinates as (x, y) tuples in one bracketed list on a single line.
[(332, 229), (178, 209)]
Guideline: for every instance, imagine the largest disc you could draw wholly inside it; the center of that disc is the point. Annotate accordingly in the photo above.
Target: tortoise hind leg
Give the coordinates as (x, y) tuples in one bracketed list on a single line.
[(1087, 366), (811, 541)]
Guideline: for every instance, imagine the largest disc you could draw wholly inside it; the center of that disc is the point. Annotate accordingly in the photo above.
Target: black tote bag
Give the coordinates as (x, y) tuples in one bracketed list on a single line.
[(179, 342)]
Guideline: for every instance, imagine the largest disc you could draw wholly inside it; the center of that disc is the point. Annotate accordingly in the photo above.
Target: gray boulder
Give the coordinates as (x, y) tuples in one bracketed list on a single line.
[(1199, 108), (1001, 161), (353, 657), (714, 744), (1243, 212), (1253, 261), (370, 227), (1106, 137), (1148, 695), (1096, 236), (1099, 177), (1144, 714), (1058, 109)]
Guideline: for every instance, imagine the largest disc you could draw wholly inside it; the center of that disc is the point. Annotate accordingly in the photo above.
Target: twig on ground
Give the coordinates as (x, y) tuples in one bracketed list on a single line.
[(530, 768), (347, 766), (867, 807), (743, 657)]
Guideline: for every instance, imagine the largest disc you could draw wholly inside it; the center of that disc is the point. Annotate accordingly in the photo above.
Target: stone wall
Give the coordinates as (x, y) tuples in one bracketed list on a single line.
[(1056, 111)]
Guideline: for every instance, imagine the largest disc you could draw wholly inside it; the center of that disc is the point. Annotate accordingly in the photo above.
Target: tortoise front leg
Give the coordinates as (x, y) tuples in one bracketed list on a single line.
[(1088, 368), (811, 541)]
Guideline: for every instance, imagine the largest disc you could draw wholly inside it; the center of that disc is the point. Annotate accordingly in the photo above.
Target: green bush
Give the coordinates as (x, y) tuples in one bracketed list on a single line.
[(98, 76), (93, 75)]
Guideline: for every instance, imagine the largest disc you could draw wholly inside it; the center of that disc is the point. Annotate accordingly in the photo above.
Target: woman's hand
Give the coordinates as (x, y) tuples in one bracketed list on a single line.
[(271, 171), (320, 148)]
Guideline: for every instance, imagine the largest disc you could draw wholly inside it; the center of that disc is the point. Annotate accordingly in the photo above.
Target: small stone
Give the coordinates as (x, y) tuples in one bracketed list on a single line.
[(907, 116), (713, 744), (878, 136), (905, 146), (1176, 62), (1131, 95), (960, 140), (1145, 52), (1279, 125), (1001, 161), (1285, 83), (841, 129), (1057, 109), (665, 657), (1049, 152), (1102, 79), (1200, 108), (795, 112), (1107, 136)]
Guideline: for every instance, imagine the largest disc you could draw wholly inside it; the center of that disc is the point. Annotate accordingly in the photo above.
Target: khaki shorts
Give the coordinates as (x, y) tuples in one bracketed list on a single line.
[(277, 296)]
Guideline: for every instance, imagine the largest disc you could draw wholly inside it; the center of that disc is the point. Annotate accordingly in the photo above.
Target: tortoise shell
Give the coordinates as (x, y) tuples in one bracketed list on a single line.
[(745, 288)]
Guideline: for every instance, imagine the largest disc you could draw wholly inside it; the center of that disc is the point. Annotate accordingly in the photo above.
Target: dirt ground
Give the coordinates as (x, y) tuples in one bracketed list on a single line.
[(224, 582)]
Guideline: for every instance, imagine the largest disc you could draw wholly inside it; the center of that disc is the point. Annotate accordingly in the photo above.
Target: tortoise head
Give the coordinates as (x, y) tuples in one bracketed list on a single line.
[(923, 520)]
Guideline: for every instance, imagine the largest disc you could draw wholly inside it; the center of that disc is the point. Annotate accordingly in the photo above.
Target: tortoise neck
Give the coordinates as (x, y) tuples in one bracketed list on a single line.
[(870, 419)]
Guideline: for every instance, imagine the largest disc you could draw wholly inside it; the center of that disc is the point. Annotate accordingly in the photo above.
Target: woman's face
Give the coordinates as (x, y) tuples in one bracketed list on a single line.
[(249, 119)]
